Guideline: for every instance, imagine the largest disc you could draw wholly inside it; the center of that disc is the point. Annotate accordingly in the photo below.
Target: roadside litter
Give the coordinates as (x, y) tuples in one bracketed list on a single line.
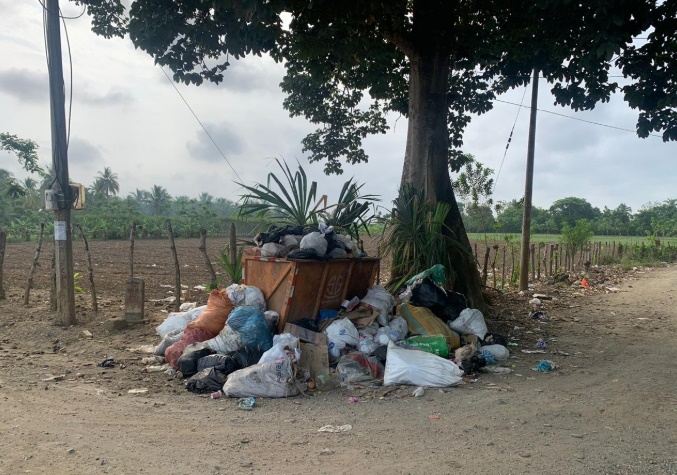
[(236, 346)]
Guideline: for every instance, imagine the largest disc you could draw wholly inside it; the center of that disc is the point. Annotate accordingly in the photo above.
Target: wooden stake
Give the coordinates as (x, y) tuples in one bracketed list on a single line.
[(53, 303), (538, 260), (177, 288), (90, 268), (486, 265), (132, 235), (533, 262), (3, 243), (202, 246), (34, 264), (552, 252), (493, 265), (503, 273), (233, 244)]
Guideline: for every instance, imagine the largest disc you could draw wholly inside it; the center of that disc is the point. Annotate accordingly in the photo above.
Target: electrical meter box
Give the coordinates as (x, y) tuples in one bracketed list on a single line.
[(54, 198)]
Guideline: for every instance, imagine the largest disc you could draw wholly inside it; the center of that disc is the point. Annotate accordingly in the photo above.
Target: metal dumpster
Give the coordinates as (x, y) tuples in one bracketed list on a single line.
[(297, 288)]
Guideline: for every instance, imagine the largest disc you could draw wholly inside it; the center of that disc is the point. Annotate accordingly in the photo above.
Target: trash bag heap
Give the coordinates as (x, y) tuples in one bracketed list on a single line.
[(233, 346)]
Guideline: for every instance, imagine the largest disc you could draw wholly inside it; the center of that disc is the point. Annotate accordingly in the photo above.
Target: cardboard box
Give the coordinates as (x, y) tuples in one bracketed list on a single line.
[(314, 349)]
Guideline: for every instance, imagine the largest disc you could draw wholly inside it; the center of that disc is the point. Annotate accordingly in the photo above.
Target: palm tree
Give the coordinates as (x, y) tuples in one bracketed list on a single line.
[(107, 183), (158, 199), (32, 197)]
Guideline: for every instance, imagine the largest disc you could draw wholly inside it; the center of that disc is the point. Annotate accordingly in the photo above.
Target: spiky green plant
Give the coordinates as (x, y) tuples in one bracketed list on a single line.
[(417, 237), (231, 269), (351, 212), (279, 202)]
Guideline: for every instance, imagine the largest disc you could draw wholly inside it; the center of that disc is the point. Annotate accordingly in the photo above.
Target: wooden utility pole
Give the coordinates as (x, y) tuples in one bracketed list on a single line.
[(528, 187), (63, 243)]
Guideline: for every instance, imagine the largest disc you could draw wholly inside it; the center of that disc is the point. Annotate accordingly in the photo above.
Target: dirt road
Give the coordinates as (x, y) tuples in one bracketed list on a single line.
[(610, 408)]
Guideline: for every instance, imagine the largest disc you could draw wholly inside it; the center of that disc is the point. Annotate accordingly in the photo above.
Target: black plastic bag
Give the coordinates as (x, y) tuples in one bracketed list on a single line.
[(381, 354), (189, 360), (307, 254), (473, 365), (495, 339), (247, 356), (446, 305), (207, 381), (308, 324), (213, 361)]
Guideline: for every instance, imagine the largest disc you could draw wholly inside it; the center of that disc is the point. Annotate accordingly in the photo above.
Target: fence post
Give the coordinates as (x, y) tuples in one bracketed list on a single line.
[(533, 262), (90, 269), (34, 264), (177, 291), (503, 273), (3, 243)]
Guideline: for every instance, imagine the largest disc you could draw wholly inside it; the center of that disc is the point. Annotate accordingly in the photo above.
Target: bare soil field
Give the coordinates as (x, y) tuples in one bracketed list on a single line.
[(611, 408)]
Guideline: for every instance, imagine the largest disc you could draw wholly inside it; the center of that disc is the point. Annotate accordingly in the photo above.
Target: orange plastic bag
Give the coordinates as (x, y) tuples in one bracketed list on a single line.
[(584, 284), (213, 319)]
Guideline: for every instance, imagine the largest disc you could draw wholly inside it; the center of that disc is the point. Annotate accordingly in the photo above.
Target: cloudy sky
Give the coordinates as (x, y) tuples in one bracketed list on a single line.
[(127, 116)]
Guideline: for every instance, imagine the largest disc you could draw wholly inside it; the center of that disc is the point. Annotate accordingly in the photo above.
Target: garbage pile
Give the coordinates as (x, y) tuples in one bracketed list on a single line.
[(304, 242), (233, 346)]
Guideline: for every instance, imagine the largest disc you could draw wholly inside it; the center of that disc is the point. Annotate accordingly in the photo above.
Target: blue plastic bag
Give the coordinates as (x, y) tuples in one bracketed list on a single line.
[(251, 325)]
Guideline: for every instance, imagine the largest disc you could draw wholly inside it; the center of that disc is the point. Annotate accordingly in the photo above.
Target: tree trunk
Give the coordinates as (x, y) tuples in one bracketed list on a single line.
[(3, 242), (426, 157)]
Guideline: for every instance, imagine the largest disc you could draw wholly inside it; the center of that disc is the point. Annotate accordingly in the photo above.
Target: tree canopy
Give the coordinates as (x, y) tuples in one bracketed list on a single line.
[(436, 62)]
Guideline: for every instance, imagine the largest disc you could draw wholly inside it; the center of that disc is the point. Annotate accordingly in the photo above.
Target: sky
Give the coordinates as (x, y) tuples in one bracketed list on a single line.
[(126, 115)]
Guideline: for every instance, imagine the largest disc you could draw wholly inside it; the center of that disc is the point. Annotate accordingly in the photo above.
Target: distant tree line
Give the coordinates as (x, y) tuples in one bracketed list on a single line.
[(655, 219)]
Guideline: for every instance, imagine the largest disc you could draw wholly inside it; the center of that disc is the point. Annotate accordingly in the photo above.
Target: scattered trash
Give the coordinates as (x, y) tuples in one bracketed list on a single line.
[(533, 352), (545, 366), (489, 358), (186, 306), (335, 429), (138, 391), (274, 379), (434, 418), (353, 400), (379, 298), (216, 394), (418, 392), (470, 322), (246, 403), (584, 284), (109, 362), (436, 344), (51, 378), (356, 367), (497, 369), (87, 334), (500, 352), (538, 315), (535, 302), (419, 368), (541, 344), (341, 333)]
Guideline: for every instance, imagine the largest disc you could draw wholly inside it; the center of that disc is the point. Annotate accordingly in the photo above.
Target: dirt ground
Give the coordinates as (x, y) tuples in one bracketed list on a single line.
[(610, 408)]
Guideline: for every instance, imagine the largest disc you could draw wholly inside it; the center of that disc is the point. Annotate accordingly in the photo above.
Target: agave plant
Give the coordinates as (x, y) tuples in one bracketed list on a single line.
[(351, 213), (291, 203), (231, 269), (417, 237)]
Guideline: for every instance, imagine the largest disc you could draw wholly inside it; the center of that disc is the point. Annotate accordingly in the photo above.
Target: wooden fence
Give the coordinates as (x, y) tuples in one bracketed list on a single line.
[(499, 262)]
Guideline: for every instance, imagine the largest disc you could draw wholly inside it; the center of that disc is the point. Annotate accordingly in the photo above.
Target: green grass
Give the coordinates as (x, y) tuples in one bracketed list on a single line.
[(553, 238)]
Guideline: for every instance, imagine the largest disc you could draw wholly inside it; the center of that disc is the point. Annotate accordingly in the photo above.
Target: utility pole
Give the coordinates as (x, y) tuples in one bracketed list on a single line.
[(62, 194), (528, 187)]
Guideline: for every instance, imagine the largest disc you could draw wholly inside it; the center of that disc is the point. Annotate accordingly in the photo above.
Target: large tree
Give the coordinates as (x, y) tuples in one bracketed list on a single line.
[(433, 61)]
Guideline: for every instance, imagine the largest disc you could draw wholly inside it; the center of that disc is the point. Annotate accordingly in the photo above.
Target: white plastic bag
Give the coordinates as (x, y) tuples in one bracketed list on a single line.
[(178, 320), (271, 249), (380, 298), (249, 295), (226, 342), (274, 379), (470, 322), (338, 253), (272, 320), (367, 344), (500, 352), (419, 368), (341, 333), (284, 345), (315, 241), (185, 306), (350, 245), (396, 330), (291, 241)]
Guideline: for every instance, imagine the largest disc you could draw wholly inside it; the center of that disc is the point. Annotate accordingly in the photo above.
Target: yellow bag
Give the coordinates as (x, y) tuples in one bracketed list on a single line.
[(422, 321)]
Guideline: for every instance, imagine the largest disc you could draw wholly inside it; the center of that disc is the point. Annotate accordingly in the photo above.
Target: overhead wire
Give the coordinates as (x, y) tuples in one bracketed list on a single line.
[(84, 8), (200, 122), (507, 145), (574, 118)]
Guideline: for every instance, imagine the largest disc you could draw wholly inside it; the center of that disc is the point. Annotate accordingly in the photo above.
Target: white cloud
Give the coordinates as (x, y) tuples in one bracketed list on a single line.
[(127, 116)]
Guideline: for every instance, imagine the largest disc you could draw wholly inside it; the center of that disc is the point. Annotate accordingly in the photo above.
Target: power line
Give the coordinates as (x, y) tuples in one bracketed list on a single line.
[(574, 118), (84, 8), (200, 122), (507, 145)]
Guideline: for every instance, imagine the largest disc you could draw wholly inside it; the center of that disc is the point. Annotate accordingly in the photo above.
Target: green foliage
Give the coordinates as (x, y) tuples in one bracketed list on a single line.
[(417, 237), (76, 283), (291, 203), (233, 270), (24, 149), (292, 200), (578, 236)]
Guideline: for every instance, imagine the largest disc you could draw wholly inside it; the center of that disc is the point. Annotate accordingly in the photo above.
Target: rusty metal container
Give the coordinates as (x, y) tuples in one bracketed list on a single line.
[(298, 289)]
